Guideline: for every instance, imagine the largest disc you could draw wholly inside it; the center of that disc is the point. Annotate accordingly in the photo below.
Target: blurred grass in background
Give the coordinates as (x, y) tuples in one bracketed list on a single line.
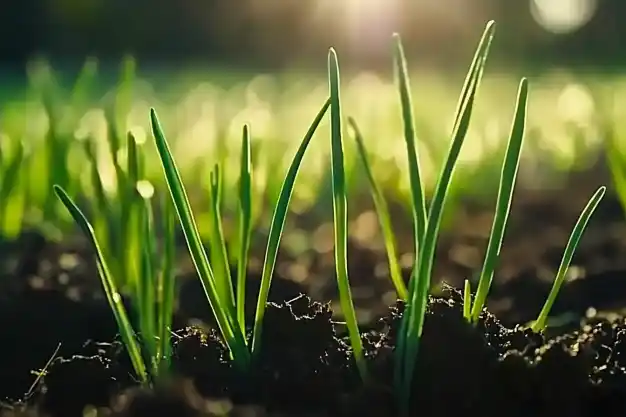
[(54, 131)]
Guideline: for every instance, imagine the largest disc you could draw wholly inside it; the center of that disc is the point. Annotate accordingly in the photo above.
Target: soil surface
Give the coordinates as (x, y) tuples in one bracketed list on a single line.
[(51, 305)]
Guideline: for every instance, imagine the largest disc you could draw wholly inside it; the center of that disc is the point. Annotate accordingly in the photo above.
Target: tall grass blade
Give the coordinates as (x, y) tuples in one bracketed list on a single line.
[(413, 317), (167, 286), (149, 289), (505, 197), (219, 255), (276, 228), (340, 211), (384, 218), (110, 288), (245, 225), (540, 324), (233, 338), (418, 205)]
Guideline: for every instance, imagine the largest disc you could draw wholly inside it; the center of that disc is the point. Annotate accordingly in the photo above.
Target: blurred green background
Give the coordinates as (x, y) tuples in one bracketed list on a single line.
[(77, 70), (278, 34)]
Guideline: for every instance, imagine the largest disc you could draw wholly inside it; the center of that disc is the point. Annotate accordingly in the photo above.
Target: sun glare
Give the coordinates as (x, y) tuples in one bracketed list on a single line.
[(563, 16), (366, 23)]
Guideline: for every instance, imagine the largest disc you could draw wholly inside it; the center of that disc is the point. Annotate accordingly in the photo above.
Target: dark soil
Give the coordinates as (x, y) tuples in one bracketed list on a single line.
[(306, 369), (50, 295)]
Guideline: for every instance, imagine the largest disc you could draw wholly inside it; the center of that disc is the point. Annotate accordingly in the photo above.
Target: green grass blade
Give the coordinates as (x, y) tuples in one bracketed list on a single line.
[(245, 225), (413, 317), (505, 197), (467, 299), (11, 172), (418, 205), (233, 338), (384, 218), (276, 228), (149, 289), (540, 324), (110, 288), (340, 211), (103, 216), (218, 250), (475, 72), (167, 286)]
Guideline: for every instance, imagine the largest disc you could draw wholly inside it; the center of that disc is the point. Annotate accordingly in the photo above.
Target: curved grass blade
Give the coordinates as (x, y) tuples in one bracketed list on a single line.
[(276, 227), (418, 205), (110, 289), (167, 286), (384, 218), (540, 324), (505, 197), (233, 339), (245, 225), (413, 317), (340, 211), (218, 250)]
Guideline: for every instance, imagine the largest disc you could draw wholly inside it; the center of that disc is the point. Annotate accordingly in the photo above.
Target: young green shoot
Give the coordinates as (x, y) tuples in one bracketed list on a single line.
[(418, 204), (148, 286), (467, 299), (384, 218), (166, 288), (232, 337), (540, 324), (218, 251), (503, 204), (110, 288), (245, 225), (413, 317), (276, 228), (340, 211)]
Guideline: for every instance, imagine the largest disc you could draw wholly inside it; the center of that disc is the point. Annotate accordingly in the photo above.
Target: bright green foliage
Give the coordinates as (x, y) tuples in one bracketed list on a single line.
[(568, 254), (340, 213), (413, 318), (505, 197)]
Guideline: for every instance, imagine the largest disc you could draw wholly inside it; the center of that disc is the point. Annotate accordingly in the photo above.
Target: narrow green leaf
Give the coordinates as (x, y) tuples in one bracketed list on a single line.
[(505, 197), (276, 227), (167, 285), (467, 300), (568, 254), (418, 205), (108, 283), (384, 218), (234, 339), (219, 255), (245, 225), (340, 211)]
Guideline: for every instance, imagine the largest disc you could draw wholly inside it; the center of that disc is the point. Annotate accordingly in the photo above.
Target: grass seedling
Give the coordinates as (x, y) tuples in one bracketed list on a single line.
[(245, 225), (110, 288), (166, 287), (218, 251), (503, 205), (276, 227), (153, 289), (413, 317), (340, 213), (540, 324), (384, 218), (418, 206), (226, 317), (225, 321)]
